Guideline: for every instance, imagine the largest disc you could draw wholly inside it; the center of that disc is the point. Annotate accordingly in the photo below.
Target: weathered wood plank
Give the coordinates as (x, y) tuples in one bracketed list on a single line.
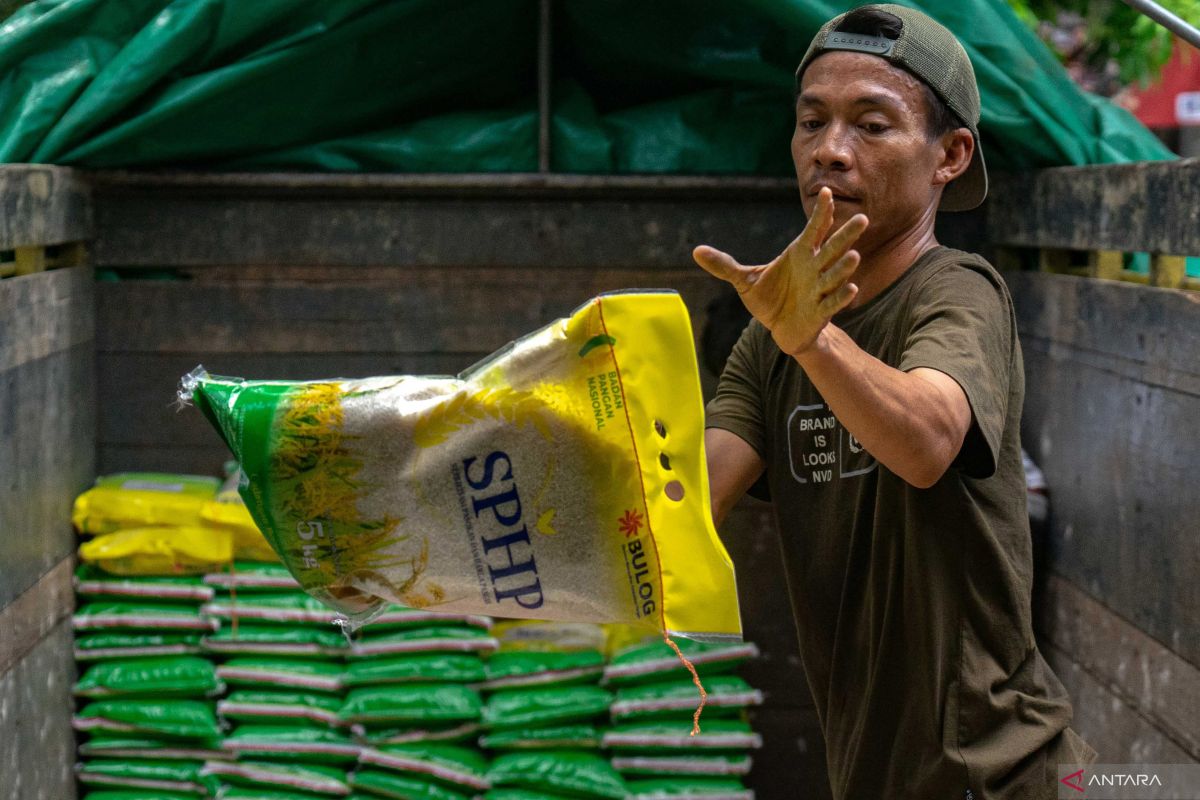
[(38, 756), (187, 230), (1112, 414), (47, 419), (1119, 734), (288, 185), (1145, 206), (413, 311), (44, 314), (1146, 676), (31, 617), (206, 460), (42, 204)]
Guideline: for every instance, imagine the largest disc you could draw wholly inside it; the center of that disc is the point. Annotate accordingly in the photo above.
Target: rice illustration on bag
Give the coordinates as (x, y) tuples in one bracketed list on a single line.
[(561, 478)]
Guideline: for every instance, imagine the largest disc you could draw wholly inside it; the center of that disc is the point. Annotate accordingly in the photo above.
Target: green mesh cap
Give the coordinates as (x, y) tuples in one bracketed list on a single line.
[(932, 53)]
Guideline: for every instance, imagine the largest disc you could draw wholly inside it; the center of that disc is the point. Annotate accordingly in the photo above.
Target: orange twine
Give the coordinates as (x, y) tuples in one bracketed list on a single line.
[(695, 680)]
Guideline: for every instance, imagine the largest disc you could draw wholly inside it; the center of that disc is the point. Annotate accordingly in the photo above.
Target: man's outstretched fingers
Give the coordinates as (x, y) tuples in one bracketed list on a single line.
[(837, 300), (718, 264), (838, 273), (818, 224), (842, 239)]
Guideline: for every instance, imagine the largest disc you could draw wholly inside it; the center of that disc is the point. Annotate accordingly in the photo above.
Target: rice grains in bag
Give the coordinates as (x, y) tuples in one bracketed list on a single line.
[(267, 706), (248, 576), (517, 668), (415, 705), (524, 708), (429, 639), (419, 668), (140, 616), (561, 478), (275, 640), (282, 673), (136, 644), (182, 719)]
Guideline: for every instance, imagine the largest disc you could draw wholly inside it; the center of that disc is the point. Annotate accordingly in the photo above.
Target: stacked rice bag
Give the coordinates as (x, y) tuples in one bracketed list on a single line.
[(145, 693), (412, 703), (542, 713), (650, 739), (148, 685)]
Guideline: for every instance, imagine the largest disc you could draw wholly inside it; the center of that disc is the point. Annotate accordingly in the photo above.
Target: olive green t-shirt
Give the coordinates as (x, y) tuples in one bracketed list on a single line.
[(912, 605)]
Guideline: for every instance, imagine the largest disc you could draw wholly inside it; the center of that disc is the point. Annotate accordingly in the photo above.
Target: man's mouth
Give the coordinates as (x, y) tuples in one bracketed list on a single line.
[(838, 197)]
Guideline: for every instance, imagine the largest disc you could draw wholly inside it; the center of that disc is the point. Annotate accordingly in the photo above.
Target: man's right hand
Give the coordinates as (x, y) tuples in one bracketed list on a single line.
[(798, 292)]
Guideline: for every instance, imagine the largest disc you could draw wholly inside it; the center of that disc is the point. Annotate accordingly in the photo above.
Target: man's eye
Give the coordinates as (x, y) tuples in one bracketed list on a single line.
[(874, 127), (810, 124)]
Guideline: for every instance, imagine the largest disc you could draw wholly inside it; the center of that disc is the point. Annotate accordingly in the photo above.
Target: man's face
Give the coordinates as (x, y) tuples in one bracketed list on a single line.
[(861, 130)]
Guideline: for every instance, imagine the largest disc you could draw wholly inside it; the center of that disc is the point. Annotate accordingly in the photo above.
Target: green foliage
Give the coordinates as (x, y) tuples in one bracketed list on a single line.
[(1103, 35)]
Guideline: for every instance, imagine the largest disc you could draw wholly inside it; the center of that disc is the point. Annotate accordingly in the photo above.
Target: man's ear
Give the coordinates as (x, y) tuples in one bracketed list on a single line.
[(957, 147)]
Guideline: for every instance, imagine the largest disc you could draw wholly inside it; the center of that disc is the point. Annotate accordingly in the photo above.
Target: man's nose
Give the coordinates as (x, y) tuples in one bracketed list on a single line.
[(833, 149)]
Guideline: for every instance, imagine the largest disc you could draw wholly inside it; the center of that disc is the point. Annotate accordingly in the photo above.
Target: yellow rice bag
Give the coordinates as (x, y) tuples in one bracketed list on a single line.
[(142, 499), (187, 550), (229, 513), (561, 478)]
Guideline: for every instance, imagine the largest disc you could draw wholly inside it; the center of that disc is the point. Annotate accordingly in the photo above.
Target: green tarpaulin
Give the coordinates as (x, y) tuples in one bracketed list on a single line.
[(688, 87)]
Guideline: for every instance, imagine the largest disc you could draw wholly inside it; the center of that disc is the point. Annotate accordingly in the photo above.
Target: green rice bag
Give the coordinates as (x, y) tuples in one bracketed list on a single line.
[(513, 793), (674, 735), (190, 719), (516, 668), (420, 668), (412, 705), (117, 615), (120, 644), (524, 708), (682, 764), (562, 737), (313, 778), (285, 608), (269, 706), (229, 792), (125, 746), (138, 794), (156, 775), (573, 773), (448, 732), (656, 661), (173, 676), (306, 743), (427, 639), (253, 576), (276, 640), (283, 673), (680, 788), (727, 694), (460, 767), (394, 616), (402, 787), (94, 583)]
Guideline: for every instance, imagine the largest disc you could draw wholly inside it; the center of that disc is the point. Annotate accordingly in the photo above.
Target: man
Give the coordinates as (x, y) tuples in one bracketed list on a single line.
[(880, 386)]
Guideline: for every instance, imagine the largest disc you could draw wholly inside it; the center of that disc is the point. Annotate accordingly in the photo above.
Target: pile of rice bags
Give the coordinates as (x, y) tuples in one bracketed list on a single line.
[(650, 741), (146, 689), (206, 670)]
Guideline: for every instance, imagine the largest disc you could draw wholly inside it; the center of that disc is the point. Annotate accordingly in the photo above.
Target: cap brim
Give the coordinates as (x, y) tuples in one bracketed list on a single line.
[(968, 190)]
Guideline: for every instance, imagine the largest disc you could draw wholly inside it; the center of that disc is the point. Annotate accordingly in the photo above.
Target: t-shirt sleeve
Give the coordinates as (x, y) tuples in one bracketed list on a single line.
[(738, 404), (962, 326)]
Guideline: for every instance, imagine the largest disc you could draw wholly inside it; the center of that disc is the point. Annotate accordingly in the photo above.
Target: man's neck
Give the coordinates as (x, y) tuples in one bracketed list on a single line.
[(885, 263)]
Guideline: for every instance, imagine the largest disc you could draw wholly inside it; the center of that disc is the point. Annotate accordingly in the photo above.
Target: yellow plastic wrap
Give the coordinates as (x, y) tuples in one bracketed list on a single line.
[(228, 513), (142, 499), (189, 550)]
